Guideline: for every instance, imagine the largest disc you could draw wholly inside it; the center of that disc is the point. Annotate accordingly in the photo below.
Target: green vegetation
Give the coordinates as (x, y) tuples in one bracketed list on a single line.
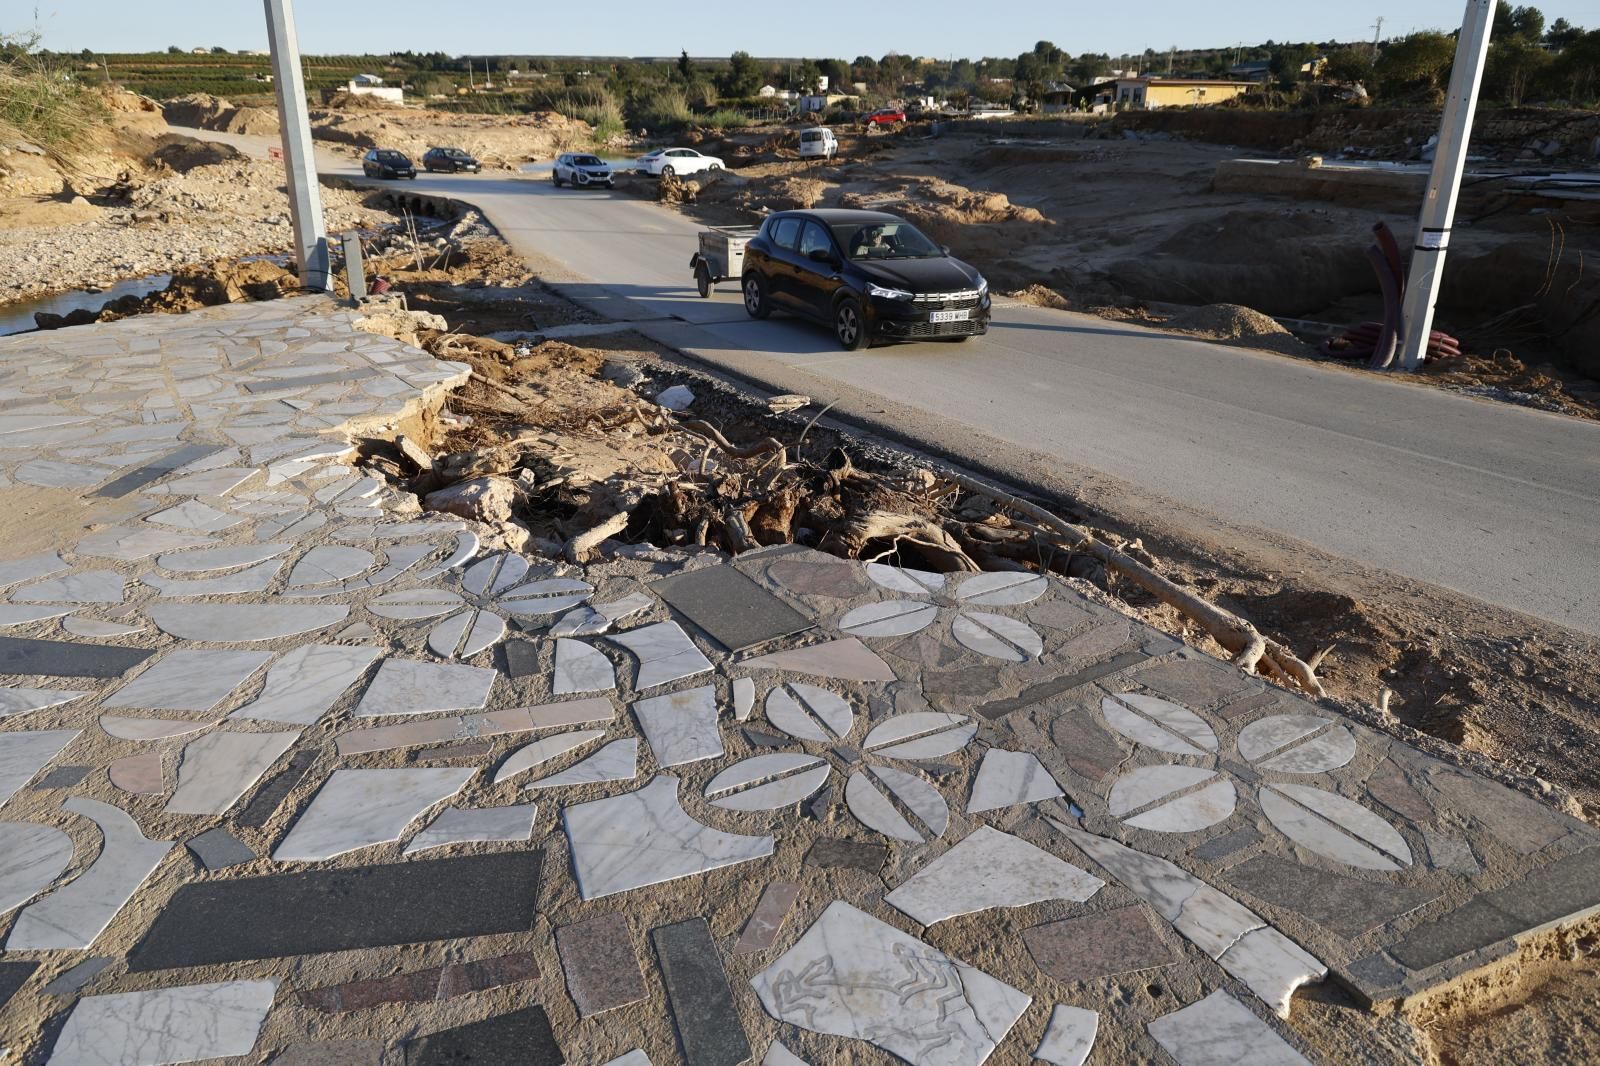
[(41, 102)]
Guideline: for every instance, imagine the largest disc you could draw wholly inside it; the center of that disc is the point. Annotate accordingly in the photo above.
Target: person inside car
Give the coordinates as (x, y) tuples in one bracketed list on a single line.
[(870, 243)]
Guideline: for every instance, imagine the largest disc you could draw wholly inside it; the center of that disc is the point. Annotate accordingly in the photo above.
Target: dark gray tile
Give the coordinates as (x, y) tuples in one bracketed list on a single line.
[(1374, 977), (329, 378), (1340, 904), (1059, 614), (435, 984), (522, 1037), (1390, 787), (57, 658), (698, 992), (731, 608), (834, 580), (819, 805), (141, 476), (258, 812), (218, 849), (1103, 944), (831, 852), (601, 966), (1056, 686), (1195, 682), (1521, 824), (332, 1053), (336, 910), (1477, 924), (77, 977), (13, 975), (522, 658), (61, 777), (1226, 844), (764, 740), (1089, 750), (1564, 887)]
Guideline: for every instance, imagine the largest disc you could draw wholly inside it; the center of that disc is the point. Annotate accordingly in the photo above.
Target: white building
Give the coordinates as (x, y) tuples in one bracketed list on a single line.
[(372, 85)]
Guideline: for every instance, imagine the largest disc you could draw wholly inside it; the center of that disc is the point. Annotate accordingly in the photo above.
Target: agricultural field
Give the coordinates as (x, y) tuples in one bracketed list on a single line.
[(162, 75)]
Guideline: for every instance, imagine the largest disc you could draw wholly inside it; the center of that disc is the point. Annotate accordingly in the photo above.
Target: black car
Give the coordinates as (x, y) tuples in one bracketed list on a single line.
[(870, 276), (387, 163), (449, 160)]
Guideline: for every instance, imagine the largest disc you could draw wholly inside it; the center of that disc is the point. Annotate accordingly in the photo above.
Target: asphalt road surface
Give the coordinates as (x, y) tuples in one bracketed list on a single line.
[(1494, 501)]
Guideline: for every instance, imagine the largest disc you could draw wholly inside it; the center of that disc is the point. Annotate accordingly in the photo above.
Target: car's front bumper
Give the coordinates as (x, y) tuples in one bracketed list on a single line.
[(913, 319), (580, 177)]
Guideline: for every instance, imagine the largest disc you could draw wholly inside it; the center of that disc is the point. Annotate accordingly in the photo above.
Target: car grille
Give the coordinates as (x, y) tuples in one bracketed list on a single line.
[(941, 329), (946, 301)]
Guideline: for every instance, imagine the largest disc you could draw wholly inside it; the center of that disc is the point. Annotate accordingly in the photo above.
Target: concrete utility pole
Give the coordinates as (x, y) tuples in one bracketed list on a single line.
[(1444, 183), (299, 160)]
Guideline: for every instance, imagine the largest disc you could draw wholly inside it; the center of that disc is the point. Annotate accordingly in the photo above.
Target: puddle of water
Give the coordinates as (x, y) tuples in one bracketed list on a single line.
[(18, 317)]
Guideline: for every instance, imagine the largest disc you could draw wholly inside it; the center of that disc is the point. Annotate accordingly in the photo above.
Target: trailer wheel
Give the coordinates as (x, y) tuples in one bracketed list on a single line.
[(702, 280)]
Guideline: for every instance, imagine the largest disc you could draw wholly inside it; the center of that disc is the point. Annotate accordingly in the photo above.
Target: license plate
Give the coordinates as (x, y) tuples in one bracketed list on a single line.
[(949, 316)]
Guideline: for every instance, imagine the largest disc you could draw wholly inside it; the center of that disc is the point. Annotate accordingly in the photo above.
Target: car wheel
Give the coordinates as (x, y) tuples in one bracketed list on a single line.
[(555, 179), (756, 304), (667, 171), (849, 328), (714, 166)]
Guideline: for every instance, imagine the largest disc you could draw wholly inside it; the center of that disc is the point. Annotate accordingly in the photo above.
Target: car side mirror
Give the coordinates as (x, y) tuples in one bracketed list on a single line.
[(945, 248), (823, 255)]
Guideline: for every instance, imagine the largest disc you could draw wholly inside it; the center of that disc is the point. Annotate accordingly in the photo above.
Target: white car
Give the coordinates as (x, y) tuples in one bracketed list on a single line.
[(676, 162), (579, 170)]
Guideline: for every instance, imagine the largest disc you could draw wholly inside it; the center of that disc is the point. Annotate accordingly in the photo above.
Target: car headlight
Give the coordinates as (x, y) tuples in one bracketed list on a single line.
[(888, 294), (983, 285)]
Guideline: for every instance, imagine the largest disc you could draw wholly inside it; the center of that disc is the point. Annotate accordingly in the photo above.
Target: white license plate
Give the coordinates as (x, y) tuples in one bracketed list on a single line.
[(949, 316)]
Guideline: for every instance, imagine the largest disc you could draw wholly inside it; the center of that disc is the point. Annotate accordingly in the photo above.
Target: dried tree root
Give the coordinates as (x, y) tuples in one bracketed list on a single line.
[(579, 547)]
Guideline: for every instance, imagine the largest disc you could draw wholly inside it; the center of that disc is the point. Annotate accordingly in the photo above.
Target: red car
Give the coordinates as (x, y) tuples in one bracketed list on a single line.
[(886, 116)]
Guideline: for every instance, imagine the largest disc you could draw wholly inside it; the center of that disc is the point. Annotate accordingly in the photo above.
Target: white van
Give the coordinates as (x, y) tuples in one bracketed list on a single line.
[(818, 143)]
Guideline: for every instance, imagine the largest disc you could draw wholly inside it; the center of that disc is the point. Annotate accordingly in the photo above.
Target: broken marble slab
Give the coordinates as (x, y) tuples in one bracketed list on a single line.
[(1240, 941), (456, 825), (988, 869), (854, 976), (30, 567), (221, 766), (1158, 723), (466, 634), (1069, 1036), (542, 751), (327, 563), (635, 1057), (22, 700), (646, 838), (997, 636), (681, 727), (128, 544), (434, 730), (139, 775), (251, 579), (698, 994), (357, 809), (189, 679), (731, 608), (1003, 588), (920, 735), (767, 782), (227, 557), (778, 1055), (1009, 778), (87, 586), (744, 697), (303, 685), (80, 626), (580, 667), (765, 922), (32, 856), (600, 964), (1334, 827), (1220, 1031), (236, 623), (1166, 798), (165, 1025), (195, 516), (12, 614), (410, 686), (73, 916), (904, 579), (870, 801), (617, 761), (844, 660), (810, 712), (141, 729), (56, 658), (1296, 744), (665, 654), (24, 754)]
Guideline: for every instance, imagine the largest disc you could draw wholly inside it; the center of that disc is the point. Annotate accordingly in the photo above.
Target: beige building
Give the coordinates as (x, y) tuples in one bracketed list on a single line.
[(1149, 93)]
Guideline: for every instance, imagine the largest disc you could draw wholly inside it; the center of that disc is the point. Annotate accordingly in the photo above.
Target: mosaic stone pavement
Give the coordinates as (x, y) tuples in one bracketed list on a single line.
[(291, 772)]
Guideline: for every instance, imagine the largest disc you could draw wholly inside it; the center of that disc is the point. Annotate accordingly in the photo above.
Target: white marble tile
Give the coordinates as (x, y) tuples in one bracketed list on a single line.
[(416, 731), (233, 623), (24, 754), (165, 1025), (808, 712), (466, 546), (1191, 812), (580, 667), (1275, 732), (665, 654), (195, 516), (408, 686), (1069, 1037), (1002, 589), (1008, 778), (149, 728), (220, 767), (1158, 724), (305, 683), (767, 782), (479, 825), (617, 761), (1296, 744), (580, 622), (1146, 785), (1334, 827), (359, 808), (744, 698), (542, 751), (80, 626), (32, 856), (189, 679), (645, 838), (327, 563), (466, 634), (846, 659), (494, 574), (74, 915), (14, 614), (30, 567), (875, 810), (131, 544), (920, 735), (900, 579), (997, 636), (890, 989), (778, 1055), (1221, 1031), (86, 586), (889, 618), (547, 596), (410, 605), (251, 579), (572, 712), (22, 700), (990, 869), (632, 1058), (627, 607), (1272, 966), (290, 526), (681, 727)]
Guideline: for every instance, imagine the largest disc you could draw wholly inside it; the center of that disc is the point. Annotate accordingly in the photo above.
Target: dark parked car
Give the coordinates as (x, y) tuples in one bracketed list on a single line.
[(868, 275), (387, 163), (449, 160)]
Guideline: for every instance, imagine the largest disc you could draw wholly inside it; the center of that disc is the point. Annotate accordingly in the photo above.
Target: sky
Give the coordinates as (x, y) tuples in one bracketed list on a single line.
[(829, 29)]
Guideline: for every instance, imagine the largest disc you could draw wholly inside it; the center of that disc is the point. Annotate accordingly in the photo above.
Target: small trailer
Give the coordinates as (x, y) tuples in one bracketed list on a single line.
[(720, 258)]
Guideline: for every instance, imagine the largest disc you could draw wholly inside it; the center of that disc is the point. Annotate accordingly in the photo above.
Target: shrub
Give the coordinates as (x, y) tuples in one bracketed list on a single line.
[(41, 102)]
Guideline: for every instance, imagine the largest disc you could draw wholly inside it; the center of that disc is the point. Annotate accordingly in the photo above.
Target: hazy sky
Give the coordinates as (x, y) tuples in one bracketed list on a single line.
[(718, 27)]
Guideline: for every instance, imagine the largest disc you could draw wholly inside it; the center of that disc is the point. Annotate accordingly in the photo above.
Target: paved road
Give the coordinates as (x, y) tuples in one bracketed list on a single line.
[(1494, 501)]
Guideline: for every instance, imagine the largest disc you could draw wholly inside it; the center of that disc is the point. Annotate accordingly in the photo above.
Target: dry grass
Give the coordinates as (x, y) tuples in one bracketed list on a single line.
[(42, 103)]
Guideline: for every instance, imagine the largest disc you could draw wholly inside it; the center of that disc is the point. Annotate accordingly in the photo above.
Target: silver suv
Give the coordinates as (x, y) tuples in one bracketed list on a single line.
[(580, 170)]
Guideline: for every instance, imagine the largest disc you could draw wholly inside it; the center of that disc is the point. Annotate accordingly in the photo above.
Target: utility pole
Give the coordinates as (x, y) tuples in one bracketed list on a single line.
[(1444, 182), (299, 160), (1377, 34)]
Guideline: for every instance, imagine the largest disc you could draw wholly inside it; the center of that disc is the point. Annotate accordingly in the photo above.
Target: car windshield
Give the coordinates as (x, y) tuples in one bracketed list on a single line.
[(884, 240), (391, 157), (586, 161)]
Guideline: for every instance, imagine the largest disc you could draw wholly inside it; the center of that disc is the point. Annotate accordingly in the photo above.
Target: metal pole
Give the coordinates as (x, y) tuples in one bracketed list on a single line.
[(1444, 183), (299, 161)]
